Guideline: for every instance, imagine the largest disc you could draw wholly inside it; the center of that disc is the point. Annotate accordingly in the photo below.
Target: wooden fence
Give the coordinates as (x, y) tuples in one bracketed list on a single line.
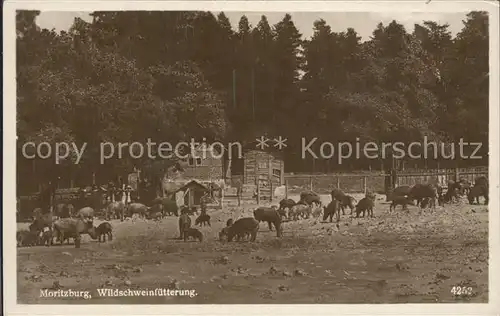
[(236, 193), (347, 182), (440, 176), (27, 203), (361, 182)]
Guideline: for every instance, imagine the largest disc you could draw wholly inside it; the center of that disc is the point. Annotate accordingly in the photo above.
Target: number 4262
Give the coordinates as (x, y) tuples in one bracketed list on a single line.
[(461, 290)]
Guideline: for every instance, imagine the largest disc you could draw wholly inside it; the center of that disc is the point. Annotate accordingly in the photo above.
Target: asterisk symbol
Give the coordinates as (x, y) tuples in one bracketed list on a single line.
[(280, 142), (262, 142)]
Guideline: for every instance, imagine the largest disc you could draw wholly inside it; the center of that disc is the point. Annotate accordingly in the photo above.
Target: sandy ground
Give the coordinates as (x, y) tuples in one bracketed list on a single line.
[(398, 257)]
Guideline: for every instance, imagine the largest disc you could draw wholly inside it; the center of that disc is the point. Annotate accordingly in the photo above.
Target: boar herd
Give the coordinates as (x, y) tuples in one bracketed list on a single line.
[(310, 204), (63, 229), (46, 227), (421, 195), (426, 195)]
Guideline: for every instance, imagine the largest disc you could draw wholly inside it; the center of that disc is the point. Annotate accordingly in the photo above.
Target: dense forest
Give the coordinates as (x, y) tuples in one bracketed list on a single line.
[(170, 76)]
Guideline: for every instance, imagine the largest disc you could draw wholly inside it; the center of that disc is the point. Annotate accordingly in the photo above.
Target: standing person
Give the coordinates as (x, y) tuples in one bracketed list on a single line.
[(47, 196), (124, 194), (94, 190), (119, 194), (127, 199), (121, 185), (148, 193), (128, 194), (142, 188), (111, 191), (82, 198), (96, 198)]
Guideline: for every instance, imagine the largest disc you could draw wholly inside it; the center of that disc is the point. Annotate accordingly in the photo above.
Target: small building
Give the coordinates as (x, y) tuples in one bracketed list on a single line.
[(192, 192), (263, 168), (133, 180), (204, 163)]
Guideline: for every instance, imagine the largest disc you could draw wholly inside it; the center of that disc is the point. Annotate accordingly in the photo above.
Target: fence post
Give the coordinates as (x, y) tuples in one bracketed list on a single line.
[(286, 189), (258, 193), (457, 174), (338, 182), (238, 194), (310, 183), (364, 184), (162, 187), (270, 177), (394, 179), (271, 187), (221, 198)]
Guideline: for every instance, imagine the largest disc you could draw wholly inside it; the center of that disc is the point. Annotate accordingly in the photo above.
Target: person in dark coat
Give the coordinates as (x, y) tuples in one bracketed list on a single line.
[(111, 191), (47, 196), (95, 197)]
